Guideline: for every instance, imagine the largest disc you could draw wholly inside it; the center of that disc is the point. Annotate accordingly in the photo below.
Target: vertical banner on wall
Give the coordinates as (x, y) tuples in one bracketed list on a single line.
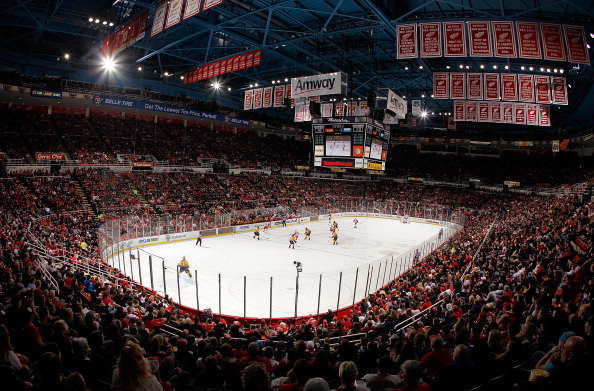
[(532, 114), (208, 4), (267, 97), (430, 39), (459, 111), (327, 109), (454, 34), (526, 83), (257, 58), (248, 99), (471, 111), (416, 107), (279, 96), (507, 110), (492, 90), (505, 39), (509, 86), (483, 112), (528, 40), (339, 109), (299, 113), (257, 98), (457, 86), (440, 85), (575, 42), (552, 42), (479, 35), (544, 115), (159, 17), (543, 89), (475, 86), (495, 111), (520, 113), (362, 109), (192, 8), (559, 87), (406, 39), (174, 13)]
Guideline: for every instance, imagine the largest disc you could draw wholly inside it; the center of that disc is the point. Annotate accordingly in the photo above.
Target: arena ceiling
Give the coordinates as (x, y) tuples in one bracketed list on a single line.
[(297, 38)]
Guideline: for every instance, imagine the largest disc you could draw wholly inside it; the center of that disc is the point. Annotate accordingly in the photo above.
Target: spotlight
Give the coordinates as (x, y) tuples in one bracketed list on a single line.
[(461, 66), (542, 69), (91, 19), (228, 88), (406, 68), (108, 64), (420, 67), (494, 66), (216, 85), (507, 67), (110, 24), (422, 95), (104, 22), (447, 67), (591, 35), (96, 20), (273, 82), (522, 67), (482, 66), (423, 114), (432, 96), (561, 71), (165, 73), (182, 77), (139, 69), (66, 56), (531, 68)]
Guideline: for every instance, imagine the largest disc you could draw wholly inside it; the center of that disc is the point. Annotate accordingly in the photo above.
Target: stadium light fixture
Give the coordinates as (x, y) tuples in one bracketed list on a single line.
[(495, 66), (108, 64), (591, 35), (96, 20), (139, 69), (423, 114), (216, 85), (228, 88), (461, 66), (91, 19), (482, 66), (66, 56), (181, 77)]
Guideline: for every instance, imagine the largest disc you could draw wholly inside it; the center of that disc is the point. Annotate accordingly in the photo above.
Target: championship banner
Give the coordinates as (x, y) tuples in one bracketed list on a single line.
[(559, 87), (248, 99), (299, 113), (406, 38), (543, 89), (306, 113), (229, 65), (440, 85), (216, 68), (508, 112), (492, 87), (257, 98), (520, 113), (208, 4), (249, 60), (339, 109), (479, 34), (210, 68), (495, 112), (459, 111), (475, 86), (362, 109), (174, 13), (505, 39), (454, 39), (430, 39), (327, 109), (457, 86), (242, 58), (552, 42), (544, 115), (267, 97), (279, 95), (192, 8), (235, 63), (532, 114), (526, 88), (575, 41), (258, 58), (351, 108), (528, 42), (483, 112), (509, 86), (159, 18), (471, 111)]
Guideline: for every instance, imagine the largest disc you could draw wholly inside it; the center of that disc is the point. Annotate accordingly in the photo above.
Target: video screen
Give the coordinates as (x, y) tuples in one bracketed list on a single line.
[(339, 145), (376, 149)]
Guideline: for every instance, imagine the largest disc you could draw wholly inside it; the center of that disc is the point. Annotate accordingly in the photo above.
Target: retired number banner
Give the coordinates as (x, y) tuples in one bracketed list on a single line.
[(192, 8), (440, 85), (528, 42), (257, 98), (520, 113), (544, 115), (430, 39), (267, 98), (505, 39), (406, 36), (248, 99), (552, 42), (454, 39), (471, 109), (475, 86), (174, 14), (159, 18), (509, 86), (543, 89), (457, 86), (532, 114), (575, 41), (483, 112), (492, 91), (495, 109), (508, 112), (459, 111), (526, 88), (559, 87), (479, 34), (279, 96)]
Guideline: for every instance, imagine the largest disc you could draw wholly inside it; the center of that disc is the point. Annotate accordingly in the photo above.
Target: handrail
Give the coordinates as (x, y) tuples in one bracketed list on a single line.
[(47, 275)]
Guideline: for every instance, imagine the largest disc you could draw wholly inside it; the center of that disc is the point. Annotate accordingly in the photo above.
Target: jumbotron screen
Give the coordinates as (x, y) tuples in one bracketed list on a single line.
[(350, 142)]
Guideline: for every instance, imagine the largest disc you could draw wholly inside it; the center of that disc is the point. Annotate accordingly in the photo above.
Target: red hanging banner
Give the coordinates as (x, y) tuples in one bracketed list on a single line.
[(257, 58), (543, 89), (495, 109), (575, 41), (526, 88), (552, 42), (505, 39), (406, 38), (248, 99), (471, 111), (339, 109), (440, 85), (241, 61), (532, 114), (479, 34), (492, 89), (528, 42), (454, 39), (249, 60), (216, 68), (430, 39), (279, 95), (544, 115), (457, 86), (475, 86), (509, 86), (483, 112), (258, 98), (267, 97), (459, 111), (559, 87), (520, 113), (508, 112)]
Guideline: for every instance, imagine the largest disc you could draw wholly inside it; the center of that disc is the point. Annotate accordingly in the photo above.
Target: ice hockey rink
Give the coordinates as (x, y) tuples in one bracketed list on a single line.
[(233, 273)]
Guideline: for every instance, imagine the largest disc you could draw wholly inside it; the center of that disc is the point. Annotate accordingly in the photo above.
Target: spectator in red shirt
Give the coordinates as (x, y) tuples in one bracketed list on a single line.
[(254, 358), (436, 360)]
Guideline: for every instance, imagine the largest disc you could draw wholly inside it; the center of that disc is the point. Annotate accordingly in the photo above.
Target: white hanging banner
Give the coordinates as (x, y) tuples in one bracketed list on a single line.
[(325, 84), (544, 115), (192, 8), (174, 13), (279, 96), (257, 98), (528, 42), (520, 113), (248, 98), (508, 112), (267, 97), (532, 114), (505, 39), (327, 109), (457, 86), (159, 18), (483, 112), (454, 34), (471, 110), (509, 86)]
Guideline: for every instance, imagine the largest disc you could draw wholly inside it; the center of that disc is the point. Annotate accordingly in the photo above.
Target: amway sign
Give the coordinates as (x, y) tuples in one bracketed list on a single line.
[(317, 85)]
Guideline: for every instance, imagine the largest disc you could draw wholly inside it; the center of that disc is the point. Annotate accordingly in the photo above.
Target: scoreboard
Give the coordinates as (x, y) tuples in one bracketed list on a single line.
[(350, 142)]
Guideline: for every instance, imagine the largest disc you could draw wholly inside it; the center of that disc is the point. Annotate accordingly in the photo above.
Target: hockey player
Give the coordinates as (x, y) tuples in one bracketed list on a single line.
[(307, 233), (292, 241), (334, 237), (257, 233), (266, 227), (184, 267), (330, 219), (335, 225), (355, 221), (296, 234), (199, 239)]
